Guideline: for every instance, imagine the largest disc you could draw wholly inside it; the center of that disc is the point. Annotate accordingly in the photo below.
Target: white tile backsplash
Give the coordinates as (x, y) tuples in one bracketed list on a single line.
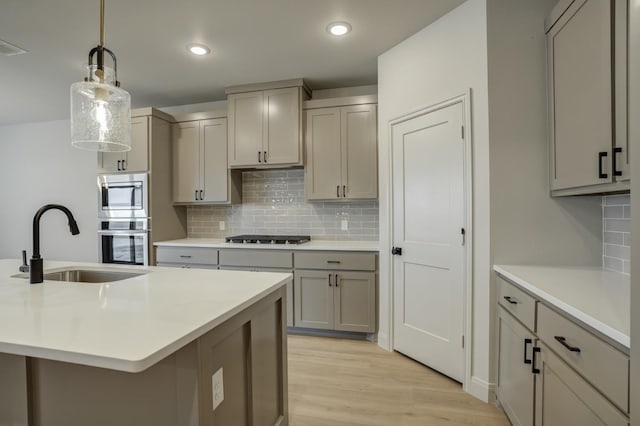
[(616, 233), (273, 203)]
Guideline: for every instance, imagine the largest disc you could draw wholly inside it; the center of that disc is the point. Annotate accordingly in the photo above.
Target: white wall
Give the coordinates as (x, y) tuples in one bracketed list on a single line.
[(38, 166), (442, 61)]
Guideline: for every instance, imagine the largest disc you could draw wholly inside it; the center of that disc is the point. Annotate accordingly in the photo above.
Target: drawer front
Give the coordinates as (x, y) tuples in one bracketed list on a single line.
[(187, 265), (518, 303), (187, 255), (602, 365), (263, 258), (336, 261)]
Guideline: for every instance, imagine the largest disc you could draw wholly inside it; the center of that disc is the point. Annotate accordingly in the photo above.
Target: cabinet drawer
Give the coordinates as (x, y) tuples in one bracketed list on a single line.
[(602, 365), (519, 303), (187, 255), (264, 258), (336, 261)]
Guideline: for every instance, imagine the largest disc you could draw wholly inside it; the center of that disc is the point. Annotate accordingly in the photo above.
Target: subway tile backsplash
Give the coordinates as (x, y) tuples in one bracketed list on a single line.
[(616, 234), (273, 203)]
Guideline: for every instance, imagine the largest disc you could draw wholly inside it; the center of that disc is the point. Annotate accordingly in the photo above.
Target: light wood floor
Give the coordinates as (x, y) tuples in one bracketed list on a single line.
[(350, 382)]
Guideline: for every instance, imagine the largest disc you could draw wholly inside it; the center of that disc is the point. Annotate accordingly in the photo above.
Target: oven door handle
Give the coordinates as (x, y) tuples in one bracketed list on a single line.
[(124, 232)]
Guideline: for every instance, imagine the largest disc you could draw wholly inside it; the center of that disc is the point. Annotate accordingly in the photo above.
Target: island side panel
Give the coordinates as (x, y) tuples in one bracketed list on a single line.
[(14, 398)]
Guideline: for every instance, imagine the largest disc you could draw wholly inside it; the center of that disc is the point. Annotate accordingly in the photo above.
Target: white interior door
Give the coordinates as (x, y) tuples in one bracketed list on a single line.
[(428, 211)]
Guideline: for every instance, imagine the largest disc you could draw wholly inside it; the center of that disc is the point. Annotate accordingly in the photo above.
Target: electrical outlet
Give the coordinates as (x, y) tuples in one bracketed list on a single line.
[(344, 225), (222, 225), (217, 386)]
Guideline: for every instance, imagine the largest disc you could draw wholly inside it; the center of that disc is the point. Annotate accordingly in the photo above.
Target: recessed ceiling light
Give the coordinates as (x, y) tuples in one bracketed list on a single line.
[(338, 28), (198, 49)]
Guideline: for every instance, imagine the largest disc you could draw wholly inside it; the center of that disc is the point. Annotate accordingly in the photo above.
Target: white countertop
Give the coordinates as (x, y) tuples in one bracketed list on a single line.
[(126, 325), (593, 296), (311, 245)]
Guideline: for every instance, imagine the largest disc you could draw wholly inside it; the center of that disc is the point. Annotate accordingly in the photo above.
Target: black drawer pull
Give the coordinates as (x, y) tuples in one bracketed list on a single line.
[(527, 342), (616, 151), (185, 256), (564, 343), (510, 300), (534, 370), (336, 280), (333, 261), (601, 155), (329, 280)]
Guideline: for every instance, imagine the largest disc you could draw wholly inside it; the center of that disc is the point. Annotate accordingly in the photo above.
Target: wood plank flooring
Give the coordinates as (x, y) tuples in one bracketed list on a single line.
[(350, 382)]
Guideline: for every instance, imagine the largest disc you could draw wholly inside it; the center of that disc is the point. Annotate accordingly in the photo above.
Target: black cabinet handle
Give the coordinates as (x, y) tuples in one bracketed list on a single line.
[(616, 151), (184, 256), (527, 342), (201, 195), (336, 280), (264, 156), (333, 261), (196, 196), (601, 155), (510, 300), (534, 370), (564, 343), (124, 167), (119, 169), (344, 191), (338, 191), (259, 154), (329, 280)]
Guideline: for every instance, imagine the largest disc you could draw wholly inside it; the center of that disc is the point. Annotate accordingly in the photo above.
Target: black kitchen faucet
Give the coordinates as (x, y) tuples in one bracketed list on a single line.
[(35, 274)]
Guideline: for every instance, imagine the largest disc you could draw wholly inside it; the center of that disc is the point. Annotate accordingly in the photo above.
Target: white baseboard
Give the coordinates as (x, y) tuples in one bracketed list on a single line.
[(481, 389)]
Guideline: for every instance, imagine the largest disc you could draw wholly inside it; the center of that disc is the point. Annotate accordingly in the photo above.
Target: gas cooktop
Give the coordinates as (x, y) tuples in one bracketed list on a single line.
[(269, 239)]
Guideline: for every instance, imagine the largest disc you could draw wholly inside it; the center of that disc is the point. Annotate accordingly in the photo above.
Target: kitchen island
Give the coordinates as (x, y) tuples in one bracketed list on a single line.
[(167, 347)]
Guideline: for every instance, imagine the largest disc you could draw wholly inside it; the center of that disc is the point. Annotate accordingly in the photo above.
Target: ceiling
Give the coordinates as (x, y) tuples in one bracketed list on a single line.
[(251, 41)]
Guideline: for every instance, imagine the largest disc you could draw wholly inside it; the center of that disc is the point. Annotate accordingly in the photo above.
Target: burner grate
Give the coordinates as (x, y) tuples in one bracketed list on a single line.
[(269, 239)]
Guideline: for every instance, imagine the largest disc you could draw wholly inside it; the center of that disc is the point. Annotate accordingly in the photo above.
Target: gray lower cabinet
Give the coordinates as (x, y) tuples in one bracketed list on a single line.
[(343, 301), (552, 371), (515, 381)]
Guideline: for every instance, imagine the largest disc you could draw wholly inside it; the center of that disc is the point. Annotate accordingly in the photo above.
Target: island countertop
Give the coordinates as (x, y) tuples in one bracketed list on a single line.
[(126, 325), (312, 245), (594, 297)]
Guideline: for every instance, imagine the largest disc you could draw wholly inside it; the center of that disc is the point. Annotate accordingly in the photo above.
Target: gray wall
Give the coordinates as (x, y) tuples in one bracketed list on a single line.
[(38, 166)]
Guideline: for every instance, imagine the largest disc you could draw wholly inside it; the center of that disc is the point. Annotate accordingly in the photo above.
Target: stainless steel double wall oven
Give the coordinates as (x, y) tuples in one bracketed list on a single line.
[(123, 218)]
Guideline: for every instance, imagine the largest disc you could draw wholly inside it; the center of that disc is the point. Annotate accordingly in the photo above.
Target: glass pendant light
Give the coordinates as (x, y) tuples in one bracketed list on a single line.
[(100, 109)]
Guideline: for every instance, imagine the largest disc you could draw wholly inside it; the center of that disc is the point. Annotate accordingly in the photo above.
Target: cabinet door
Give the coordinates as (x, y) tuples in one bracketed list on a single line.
[(214, 174), (110, 162), (186, 158), (515, 379), (323, 168), (355, 301), (621, 89), (246, 115), (579, 48), (565, 398), (137, 160), (359, 152), (313, 296), (281, 138)]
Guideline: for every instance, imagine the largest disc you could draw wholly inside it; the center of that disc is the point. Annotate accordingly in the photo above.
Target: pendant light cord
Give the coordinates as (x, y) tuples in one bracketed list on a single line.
[(102, 23)]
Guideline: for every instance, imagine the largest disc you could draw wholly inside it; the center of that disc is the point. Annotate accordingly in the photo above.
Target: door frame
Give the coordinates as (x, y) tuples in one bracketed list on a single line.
[(467, 308)]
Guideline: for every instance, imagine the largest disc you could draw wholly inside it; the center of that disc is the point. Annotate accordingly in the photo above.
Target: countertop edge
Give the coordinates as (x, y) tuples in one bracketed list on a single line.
[(580, 316)]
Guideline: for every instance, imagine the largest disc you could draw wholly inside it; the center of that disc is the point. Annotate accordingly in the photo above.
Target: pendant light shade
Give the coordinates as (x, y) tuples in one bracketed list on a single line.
[(100, 109)]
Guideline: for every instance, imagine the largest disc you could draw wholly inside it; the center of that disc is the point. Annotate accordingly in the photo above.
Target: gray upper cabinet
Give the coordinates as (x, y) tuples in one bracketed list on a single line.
[(265, 126), (200, 173), (341, 149), (135, 160), (587, 60)]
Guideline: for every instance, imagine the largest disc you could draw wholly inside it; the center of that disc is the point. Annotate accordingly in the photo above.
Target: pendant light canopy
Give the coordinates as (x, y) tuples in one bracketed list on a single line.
[(100, 109)]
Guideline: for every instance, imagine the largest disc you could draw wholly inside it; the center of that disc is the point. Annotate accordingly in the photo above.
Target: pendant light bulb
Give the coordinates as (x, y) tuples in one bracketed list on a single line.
[(100, 109)]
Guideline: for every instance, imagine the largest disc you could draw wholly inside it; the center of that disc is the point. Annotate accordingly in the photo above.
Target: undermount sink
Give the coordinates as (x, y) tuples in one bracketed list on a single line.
[(77, 275)]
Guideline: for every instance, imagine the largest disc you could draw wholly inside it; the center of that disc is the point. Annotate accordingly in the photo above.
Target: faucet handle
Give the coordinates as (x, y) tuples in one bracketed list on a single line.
[(24, 267)]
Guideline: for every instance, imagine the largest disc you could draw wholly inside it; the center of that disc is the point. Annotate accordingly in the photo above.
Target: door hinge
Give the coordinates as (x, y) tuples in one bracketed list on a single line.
[(463, 233), (463, 341)]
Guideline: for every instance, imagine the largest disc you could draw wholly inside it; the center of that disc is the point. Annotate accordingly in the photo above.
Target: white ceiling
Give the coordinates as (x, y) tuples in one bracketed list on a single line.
[(251, 41)]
